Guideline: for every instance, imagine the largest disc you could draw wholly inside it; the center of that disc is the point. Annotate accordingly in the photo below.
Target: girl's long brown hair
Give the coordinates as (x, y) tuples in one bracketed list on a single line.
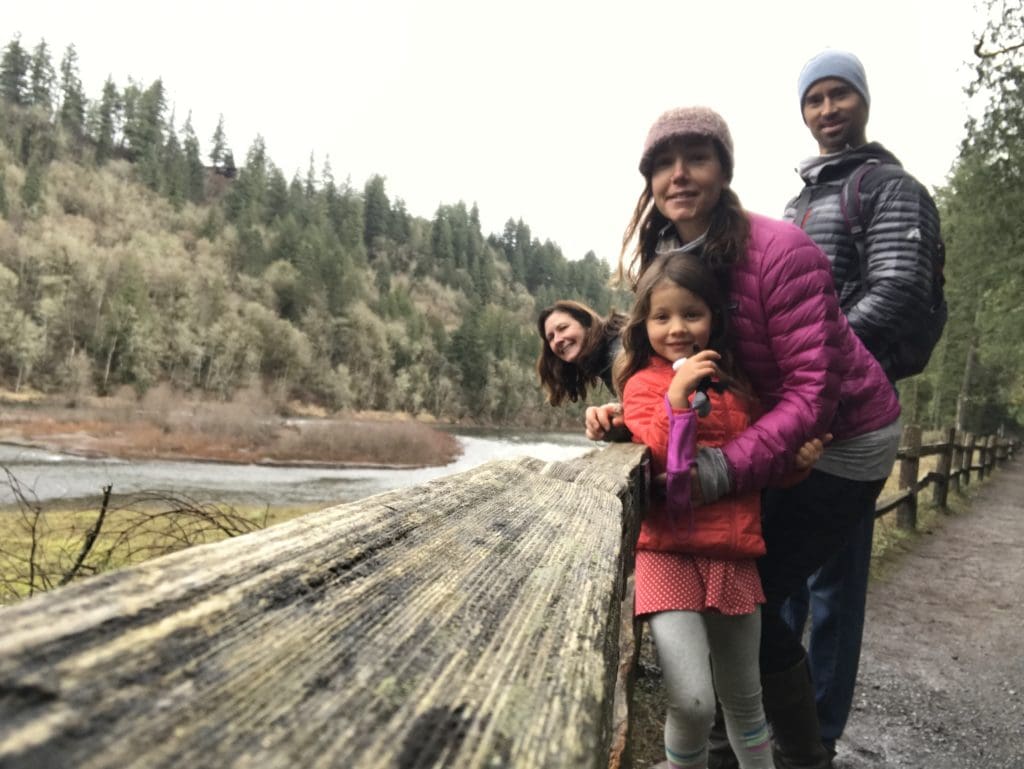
[(687, 271), (570, 381)]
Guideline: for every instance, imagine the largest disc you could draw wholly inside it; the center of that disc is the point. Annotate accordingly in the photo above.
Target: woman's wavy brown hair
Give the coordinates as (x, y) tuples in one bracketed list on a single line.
[(570, 381)]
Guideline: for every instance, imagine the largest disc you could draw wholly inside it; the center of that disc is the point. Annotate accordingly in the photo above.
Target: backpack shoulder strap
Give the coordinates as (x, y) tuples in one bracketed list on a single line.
[(851, 202), (800, 206)]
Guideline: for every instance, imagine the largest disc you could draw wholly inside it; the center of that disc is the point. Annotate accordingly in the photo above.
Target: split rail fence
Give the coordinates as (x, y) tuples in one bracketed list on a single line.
[(959, 454)]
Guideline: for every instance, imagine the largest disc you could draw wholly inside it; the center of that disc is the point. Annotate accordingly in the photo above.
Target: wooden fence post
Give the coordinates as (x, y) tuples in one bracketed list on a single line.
[(993, 448), (906, 513), (956, 461), (1001, 451), (941, 490), (984, 460), (968, 457)]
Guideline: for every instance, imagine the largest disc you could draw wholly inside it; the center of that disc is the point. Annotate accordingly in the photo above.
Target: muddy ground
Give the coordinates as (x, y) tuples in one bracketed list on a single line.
[(941, 682)]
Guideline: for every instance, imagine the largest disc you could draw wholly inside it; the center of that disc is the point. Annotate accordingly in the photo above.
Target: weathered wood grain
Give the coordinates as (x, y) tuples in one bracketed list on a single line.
[(474, 621)]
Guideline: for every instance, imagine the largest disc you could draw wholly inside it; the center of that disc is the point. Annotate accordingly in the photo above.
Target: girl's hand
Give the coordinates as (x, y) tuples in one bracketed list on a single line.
[(688, 375)]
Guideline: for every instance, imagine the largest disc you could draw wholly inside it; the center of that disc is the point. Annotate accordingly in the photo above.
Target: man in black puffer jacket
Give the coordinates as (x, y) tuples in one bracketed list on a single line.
[(880, 228), (899, 219)]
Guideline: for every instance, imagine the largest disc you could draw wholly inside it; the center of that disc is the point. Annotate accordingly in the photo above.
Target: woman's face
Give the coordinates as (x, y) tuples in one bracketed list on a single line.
[(687, 180), (564, 335)]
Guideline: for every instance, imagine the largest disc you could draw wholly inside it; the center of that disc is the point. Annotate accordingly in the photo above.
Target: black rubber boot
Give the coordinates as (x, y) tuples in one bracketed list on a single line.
[(793, 715)]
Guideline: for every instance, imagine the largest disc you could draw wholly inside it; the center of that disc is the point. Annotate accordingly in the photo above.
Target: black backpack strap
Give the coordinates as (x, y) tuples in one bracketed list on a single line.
[(851, 205), (853, 212), (801, 206)]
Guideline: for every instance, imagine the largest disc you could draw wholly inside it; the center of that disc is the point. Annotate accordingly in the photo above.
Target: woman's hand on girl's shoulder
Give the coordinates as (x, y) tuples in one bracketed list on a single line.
[(688, 374)]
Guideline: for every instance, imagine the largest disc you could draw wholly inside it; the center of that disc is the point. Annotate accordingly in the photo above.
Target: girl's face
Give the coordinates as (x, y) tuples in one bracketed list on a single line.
[(564, 335), (687, 180), (677, 320)]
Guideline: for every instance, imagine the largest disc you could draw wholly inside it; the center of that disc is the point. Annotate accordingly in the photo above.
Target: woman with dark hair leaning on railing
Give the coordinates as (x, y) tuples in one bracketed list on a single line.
[(578, 350)]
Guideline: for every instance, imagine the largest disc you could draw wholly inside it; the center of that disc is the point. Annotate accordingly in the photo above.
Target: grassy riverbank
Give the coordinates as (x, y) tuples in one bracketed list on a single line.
[(43, 545)]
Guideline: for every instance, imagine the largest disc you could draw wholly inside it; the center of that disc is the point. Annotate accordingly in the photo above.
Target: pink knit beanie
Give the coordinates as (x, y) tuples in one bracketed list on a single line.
[(688, 121)]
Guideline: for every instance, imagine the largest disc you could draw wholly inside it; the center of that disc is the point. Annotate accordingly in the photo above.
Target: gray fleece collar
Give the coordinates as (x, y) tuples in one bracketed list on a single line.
[(811, 168)]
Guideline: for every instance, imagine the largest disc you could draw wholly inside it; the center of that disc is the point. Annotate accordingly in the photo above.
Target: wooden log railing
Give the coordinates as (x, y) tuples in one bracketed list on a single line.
[(480, 620)]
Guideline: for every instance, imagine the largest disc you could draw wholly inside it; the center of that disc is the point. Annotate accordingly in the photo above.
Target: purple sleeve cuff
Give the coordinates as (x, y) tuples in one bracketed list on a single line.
[(682, 447)]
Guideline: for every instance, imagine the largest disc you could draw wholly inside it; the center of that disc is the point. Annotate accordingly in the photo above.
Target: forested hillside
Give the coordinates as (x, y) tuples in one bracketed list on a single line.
[(131, 255)]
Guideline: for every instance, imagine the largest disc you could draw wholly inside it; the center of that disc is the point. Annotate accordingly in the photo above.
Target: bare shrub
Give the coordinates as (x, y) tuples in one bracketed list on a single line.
[(162, 405), (386, 443), (41, 549)]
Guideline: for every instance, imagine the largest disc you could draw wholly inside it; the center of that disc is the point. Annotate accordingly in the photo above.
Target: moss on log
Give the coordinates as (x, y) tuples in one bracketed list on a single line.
[(474, 621)]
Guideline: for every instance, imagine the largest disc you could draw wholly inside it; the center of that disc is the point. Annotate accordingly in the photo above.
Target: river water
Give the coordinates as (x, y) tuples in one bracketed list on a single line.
[(50, 476)]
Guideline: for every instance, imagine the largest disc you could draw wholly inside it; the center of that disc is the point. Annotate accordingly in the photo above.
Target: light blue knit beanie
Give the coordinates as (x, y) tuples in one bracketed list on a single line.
[(833, 63)]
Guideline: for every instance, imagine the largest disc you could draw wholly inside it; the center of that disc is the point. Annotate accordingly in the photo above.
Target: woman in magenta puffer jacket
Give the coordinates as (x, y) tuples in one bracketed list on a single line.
[(812, 375)]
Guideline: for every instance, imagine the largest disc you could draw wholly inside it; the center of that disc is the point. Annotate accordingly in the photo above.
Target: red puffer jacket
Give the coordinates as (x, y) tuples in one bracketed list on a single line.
[(729, 528)]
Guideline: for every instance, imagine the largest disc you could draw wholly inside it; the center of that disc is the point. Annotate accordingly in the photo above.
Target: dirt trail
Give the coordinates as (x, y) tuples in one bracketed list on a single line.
[(941, 681)]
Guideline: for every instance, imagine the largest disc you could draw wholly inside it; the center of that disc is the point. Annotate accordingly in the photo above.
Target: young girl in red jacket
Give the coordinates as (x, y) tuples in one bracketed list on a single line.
[(696, 574)]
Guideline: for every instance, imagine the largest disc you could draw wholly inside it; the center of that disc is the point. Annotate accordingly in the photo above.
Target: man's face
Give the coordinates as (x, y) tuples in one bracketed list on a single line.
[(836, 115)]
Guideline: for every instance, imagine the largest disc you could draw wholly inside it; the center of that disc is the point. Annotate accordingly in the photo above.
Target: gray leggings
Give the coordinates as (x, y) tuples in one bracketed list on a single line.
[(701, 654)]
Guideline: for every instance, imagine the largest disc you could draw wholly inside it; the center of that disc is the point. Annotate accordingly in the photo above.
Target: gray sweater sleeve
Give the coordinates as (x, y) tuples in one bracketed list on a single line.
[(713, 474)]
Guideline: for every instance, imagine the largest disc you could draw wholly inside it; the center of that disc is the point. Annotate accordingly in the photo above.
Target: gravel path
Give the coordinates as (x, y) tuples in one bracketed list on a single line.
[(942, 671)]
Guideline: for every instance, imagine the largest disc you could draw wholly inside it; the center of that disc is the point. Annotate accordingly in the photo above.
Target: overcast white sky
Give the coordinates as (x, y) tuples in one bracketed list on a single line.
[(535, 109)]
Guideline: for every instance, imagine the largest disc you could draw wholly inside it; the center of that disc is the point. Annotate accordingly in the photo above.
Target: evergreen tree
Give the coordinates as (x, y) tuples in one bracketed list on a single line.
[(228, 168), (72, 107), (442, 245), (345, 213), (42, 78), (219, 145), (107, 120), (399, 227), (484, 275), (470, 354), (515, 242), (144, 127), (377, 209), (195, 174), (277, 195), (310, 185), (14, 71), (297, 199), (32, 189), (174, 174), (129, 103), (247, 197)]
